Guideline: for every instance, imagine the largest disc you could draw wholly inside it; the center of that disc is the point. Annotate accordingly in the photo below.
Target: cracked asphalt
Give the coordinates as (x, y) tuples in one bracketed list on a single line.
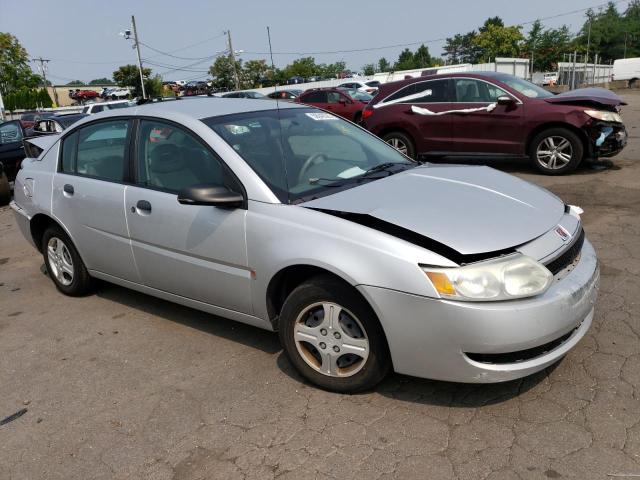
[(120, 385)]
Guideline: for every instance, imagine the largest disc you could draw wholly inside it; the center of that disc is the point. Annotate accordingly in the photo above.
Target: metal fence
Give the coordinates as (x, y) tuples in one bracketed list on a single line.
[(576, 71)]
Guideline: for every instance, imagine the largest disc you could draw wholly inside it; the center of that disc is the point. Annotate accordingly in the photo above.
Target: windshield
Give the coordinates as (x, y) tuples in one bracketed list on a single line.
[(304, 153), (358, 95), (526, 88)]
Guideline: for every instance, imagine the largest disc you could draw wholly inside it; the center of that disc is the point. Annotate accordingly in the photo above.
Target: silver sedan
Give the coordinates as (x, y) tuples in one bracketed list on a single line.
[(293, 220)]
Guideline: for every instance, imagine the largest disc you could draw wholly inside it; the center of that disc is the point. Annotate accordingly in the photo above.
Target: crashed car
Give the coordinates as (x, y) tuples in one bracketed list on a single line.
[(292, 219), (489, 114)]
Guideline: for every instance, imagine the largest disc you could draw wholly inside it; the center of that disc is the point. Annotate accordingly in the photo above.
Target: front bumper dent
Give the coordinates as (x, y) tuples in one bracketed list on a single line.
[(428, 337)]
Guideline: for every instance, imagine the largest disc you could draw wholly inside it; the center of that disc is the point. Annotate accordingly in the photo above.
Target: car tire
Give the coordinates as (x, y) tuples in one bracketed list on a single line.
[(556, 151), (402, 143), (322, 352), (63, 263), (5, 190)]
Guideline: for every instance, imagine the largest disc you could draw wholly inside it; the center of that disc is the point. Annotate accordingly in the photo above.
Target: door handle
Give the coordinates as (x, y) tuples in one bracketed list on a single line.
[(68, 189), (143, 207)]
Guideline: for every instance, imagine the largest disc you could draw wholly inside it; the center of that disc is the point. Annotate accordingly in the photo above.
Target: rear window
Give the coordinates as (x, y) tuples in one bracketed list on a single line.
[(434, 91)]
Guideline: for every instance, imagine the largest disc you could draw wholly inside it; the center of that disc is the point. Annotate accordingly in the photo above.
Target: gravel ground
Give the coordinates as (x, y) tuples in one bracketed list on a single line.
[(121, 385)]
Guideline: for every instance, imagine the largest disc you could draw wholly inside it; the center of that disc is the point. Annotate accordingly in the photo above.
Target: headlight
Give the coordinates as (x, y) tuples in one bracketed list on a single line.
[(604, 115), (506, 278)]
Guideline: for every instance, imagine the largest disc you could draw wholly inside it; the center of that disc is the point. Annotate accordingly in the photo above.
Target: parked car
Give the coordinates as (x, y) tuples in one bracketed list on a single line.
[(296, 80), (508, 116), (106, 92), (120, 93), (83, 95), (196, 88), (11, 155), (549, 79), (370, 87), (292, 219), (285, 94), (54, 124), (348, 104), (627, 69), (102, 106), (28, 119), (244, 94)]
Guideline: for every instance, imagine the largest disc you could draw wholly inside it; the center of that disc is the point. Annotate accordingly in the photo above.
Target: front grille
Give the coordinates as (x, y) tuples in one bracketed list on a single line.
[(568, 256), (521, 355)]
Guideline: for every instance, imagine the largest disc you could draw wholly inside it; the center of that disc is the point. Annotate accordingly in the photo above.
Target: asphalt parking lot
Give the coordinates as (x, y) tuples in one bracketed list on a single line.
[(122, 385)]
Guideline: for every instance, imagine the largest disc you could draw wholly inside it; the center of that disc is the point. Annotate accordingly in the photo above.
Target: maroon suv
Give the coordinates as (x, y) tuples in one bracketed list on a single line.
[(496, 114)]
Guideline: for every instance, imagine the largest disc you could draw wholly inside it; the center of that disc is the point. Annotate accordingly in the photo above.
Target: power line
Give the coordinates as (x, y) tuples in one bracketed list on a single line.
[(175, 56)]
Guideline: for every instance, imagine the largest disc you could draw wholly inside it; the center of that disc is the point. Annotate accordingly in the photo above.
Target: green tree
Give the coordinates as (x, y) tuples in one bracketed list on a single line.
[(129, 76), (302, 67), (384, 65), (74, 83), (405, 60), (254, 73), (546, 46), (422, 57), (368, 69), (15, 72), (101, 81), (462, 48), (332, 70), (224, 73), (498, 41)]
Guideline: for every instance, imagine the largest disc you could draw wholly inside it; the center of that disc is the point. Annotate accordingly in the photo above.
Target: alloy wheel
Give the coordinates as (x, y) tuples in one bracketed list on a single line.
[(331, 340), (398, 145), (554, 152), (60, 261)]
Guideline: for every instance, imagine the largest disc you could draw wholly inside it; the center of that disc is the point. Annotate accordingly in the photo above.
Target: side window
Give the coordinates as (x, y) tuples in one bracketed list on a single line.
[(403, 92), (101, 151), (333, 97), (469, 90), (171, 158), (69, 150), (435, 91), (315, 97)]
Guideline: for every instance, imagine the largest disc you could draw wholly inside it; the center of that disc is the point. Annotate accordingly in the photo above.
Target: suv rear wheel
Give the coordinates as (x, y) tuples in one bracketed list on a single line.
[(401, 142), (556, 151), (332, 336)]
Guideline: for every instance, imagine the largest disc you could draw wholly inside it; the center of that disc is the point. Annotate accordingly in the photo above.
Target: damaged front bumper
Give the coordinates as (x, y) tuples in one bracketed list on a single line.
[(606, 139)]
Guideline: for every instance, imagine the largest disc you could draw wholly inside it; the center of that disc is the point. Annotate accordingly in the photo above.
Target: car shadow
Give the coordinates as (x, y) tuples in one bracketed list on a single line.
[(440, 393), (520, 165), (205, 322), (396, 386)]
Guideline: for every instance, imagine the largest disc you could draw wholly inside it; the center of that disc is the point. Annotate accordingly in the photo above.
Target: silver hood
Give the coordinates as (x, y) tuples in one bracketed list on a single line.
[(469, 209)]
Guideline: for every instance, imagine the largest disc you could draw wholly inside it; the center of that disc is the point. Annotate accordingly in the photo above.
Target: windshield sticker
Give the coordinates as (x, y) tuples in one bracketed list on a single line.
[(321, 116)]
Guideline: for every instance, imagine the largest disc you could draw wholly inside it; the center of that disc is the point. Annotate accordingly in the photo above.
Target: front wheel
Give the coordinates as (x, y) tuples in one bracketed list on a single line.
[(401, 142), (556, 151), (332, 336), (63, 263)]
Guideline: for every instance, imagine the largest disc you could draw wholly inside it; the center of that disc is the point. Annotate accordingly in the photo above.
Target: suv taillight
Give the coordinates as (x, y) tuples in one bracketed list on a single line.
[(367, 112)]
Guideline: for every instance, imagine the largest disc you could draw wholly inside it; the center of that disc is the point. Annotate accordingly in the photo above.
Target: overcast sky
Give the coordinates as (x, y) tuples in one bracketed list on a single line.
[(81, 37)]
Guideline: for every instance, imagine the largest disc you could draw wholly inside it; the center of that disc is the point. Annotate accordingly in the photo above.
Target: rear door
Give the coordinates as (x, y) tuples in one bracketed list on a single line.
[(431, 133), (499, 131), (341, 105), (316, 98), (88, 196), (195, 251)]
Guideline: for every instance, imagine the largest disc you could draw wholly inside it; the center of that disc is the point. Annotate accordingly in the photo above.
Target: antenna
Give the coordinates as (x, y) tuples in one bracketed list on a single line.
[(275, 89)]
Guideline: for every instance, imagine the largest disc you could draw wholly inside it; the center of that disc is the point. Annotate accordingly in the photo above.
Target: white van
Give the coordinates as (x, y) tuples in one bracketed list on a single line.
[(627, 69)]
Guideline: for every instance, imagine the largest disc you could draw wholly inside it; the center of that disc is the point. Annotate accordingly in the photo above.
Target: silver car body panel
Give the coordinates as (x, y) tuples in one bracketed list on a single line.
[(421, 198), (222, 261)]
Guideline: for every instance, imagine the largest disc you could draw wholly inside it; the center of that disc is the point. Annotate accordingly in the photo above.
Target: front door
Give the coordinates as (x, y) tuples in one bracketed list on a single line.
[(499, 131), (197, 252), (88, 196)]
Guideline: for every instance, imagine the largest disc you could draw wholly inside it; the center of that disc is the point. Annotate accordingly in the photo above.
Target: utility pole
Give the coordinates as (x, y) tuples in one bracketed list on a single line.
[(43, 69), (233, 60), (137, 46), (625, 44)]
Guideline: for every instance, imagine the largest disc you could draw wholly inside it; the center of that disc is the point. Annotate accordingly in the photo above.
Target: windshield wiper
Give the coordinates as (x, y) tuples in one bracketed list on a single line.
[(383, 167)]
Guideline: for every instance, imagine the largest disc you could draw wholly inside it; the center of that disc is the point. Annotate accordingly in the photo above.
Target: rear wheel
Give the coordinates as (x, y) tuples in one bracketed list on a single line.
[(556, 151), (64, 265), (401, 142), (5, 190), (332, 336)]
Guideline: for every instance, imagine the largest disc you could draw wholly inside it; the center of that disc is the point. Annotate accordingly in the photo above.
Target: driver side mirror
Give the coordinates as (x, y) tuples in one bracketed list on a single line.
[(209, 194), (505, 100)]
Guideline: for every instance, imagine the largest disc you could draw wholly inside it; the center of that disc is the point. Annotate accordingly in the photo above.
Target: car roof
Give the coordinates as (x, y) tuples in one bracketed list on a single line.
[(199, 108)]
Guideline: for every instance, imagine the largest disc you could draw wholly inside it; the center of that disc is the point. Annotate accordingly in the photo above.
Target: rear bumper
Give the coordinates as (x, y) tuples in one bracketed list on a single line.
[(484, 342)]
